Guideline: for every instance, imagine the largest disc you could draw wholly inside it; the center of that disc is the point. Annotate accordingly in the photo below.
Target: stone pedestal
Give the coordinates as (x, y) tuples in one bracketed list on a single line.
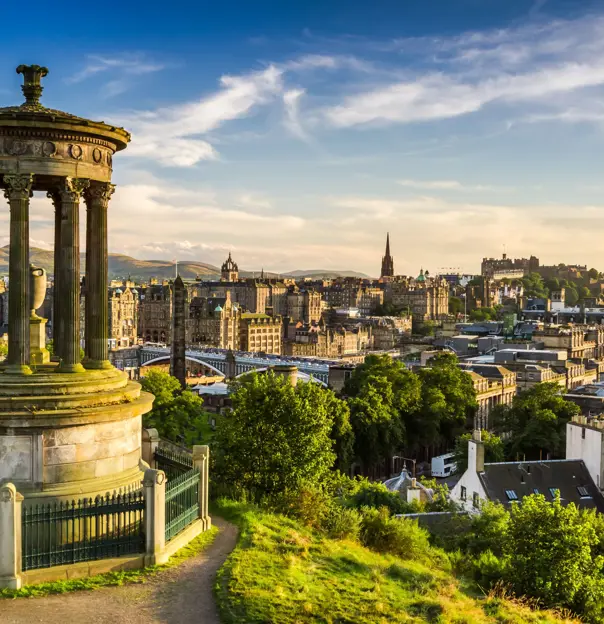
[(10, 537), (37, 341)]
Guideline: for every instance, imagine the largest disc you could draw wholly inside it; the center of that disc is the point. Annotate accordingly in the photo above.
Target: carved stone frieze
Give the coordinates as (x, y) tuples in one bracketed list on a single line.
[(55, 149)]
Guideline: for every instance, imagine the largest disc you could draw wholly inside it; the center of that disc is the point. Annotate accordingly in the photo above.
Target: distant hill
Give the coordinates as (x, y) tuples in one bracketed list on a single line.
[(325, 274), (121, 265)]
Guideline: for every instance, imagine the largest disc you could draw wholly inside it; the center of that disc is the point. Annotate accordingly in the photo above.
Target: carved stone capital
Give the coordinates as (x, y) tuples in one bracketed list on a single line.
[(18, 186), (71, 189), (99, 193), (54, 197)]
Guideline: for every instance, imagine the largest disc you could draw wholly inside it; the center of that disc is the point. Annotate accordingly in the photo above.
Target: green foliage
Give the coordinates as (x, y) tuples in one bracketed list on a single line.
[(403, 538), (277, 437), (536, 422), (378, 496), (493, 449), (534, 286), (483, 314), (448, 402), (3, 349), (177, 414), (551, 550), (593, 274), (282, 571), (571, 296), (456, 305), (426, 328)]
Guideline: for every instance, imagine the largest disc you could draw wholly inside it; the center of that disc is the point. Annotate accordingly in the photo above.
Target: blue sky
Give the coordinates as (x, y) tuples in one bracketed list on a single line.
[(297, 134)]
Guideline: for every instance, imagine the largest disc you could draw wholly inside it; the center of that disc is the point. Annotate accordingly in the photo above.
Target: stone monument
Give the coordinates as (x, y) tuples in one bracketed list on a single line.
[(177, 352), (72, 428)]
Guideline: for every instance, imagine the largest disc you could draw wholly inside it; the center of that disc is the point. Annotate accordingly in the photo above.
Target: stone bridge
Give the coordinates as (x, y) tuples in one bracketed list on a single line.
[(216, 360)]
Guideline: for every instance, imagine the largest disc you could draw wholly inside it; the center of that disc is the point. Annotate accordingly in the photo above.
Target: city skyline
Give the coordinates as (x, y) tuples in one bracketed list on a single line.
[(307, 138)]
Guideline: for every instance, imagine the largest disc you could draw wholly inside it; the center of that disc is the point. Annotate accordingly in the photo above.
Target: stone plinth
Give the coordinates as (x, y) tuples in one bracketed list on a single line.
[(70, 435), (37, 341)]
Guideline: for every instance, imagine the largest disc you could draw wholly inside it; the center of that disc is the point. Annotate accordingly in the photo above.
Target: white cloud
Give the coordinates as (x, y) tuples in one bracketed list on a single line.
[(169, 135), (445, 185), (128, 64), (291, 101)]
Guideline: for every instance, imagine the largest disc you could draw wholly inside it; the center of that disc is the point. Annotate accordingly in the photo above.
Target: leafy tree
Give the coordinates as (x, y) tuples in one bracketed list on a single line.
[(177, 414), (456, 305), (378, 428), (483, 314), (383, 394), (535, 423), (493, 449), (584, 292), (534, 285), (593, 274), (276, 437), (3, 349), (426, 328), (553, 284), (571, 296), (448, 402), (552, 556)]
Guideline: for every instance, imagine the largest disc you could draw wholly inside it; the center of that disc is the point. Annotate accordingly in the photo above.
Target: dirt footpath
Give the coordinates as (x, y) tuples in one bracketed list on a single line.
[(182, 595)]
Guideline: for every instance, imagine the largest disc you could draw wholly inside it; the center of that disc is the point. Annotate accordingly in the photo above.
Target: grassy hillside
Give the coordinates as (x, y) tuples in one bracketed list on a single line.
[(284, 572)]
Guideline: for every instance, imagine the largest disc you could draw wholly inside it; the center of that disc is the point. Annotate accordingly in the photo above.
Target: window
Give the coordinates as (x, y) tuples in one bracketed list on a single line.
[(463, 493), (511, 494), (475, 500), (583, 491), (554, 492)]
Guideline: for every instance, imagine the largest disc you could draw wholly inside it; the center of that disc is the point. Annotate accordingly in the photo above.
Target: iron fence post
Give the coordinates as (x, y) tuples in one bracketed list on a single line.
[(154, 483), (10, 537)]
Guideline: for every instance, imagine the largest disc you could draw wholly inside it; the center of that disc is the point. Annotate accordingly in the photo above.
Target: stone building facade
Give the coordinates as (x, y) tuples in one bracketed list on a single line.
[(123, 315), (260, 333), (155, 324), (304, 305), (426, 297), (214, 321), (315, 341)]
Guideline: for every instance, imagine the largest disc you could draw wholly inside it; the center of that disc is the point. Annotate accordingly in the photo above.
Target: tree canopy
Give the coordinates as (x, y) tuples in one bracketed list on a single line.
[(177, 414), (277, 436), (535, 423)]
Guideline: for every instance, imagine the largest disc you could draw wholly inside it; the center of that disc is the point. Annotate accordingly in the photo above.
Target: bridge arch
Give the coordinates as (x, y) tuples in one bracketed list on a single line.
[(301, 375), (166, 358)]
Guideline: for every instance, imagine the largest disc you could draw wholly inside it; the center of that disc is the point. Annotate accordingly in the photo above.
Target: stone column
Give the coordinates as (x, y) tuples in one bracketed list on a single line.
[(70, 192), (10, 537), (97, 297), (57, 321), (18, 191), (201, 461), (177, 354), (154, 483)]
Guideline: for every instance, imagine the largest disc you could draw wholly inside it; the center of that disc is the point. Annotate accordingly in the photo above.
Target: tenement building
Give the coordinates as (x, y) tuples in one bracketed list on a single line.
[(155, 313), (260, 333), (304, 305), (425, 297), (123, 315), (214, 322)]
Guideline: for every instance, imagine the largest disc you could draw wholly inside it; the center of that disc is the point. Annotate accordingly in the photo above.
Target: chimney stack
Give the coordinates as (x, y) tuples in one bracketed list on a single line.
[(476, 452)]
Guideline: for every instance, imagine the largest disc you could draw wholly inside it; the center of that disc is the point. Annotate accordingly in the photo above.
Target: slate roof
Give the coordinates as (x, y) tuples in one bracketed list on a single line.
[(520, 479)]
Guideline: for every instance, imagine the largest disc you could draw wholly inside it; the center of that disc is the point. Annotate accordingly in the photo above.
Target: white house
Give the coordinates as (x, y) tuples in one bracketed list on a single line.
[(585, 440), (510, 482)]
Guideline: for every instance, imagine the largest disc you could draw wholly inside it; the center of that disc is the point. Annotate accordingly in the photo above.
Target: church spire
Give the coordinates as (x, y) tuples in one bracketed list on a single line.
[(387, 260)]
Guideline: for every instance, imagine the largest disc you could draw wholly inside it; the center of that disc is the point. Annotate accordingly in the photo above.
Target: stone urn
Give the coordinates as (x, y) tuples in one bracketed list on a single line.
[(37, 288)]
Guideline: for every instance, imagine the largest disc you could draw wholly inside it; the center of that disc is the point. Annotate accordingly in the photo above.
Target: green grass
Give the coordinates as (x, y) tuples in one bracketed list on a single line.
[(112, 579), (284, 572)]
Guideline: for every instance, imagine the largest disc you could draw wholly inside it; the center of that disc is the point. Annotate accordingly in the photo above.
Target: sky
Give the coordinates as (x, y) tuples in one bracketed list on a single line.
[(296, 134)]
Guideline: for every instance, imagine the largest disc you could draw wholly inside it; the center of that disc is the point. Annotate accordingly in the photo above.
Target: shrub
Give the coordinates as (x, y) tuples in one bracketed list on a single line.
[(488, 569), (377, 495), (343, 523), (404, 538), (310, 504)]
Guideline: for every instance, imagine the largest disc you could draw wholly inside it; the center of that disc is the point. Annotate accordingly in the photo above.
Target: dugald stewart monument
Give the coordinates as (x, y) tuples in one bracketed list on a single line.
[(70, 427)]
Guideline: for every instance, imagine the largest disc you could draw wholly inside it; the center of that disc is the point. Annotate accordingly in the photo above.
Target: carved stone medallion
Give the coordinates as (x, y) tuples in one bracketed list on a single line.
[(97, 155), (49, 148), (75, 151)]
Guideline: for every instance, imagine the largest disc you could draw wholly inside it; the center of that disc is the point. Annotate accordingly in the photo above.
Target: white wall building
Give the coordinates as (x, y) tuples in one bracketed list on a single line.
[(586, 441)]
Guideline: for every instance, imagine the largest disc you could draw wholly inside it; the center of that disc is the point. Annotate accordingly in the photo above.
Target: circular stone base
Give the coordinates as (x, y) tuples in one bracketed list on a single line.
[(71, 435)]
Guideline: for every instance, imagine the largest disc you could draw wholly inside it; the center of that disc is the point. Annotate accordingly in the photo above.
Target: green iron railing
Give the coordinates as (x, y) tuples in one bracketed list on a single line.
[(84, 530), (182, 502), (172, 463)]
